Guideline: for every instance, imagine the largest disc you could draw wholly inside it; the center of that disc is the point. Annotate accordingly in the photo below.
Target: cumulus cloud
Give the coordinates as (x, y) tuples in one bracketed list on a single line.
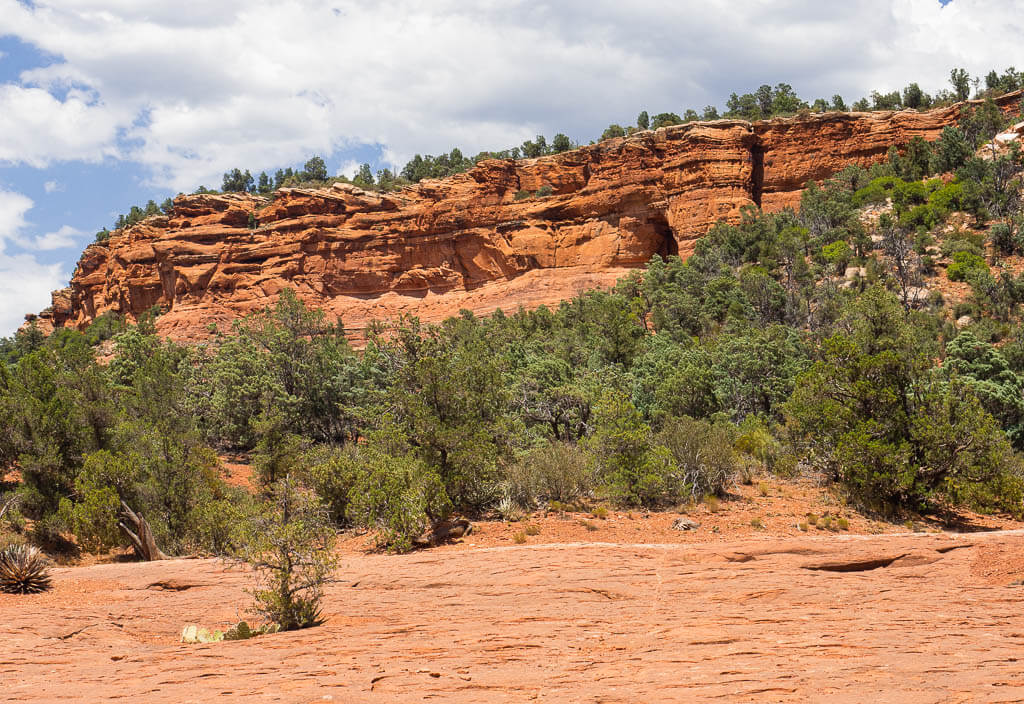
[(25, 284), (13, 207), (52, 187), (63, 237), (37, 128), (184, 89)]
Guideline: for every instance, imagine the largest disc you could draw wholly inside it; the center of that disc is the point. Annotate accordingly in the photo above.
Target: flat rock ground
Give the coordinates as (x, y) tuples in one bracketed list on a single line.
[(830, 618)]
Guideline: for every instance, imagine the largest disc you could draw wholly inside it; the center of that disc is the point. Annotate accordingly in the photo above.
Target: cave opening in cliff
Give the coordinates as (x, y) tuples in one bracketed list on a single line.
[(757, 174), (666, 239)]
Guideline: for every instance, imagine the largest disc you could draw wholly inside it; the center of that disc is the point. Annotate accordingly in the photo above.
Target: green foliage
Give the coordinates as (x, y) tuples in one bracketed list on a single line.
[(986, 372), (135, 215), (450, 398), (951, 151), (1009, 81), (315, 169), (559, 472), (288, 361), (290, 544), (963, 265), (631, 472), (421, 167), (665, 119), (612, 132), (874, 193), (104, 327), (886, 101), (238, 181), (961, 82), (890, 431), (332, 472), (703, 462), (399, 496), (948, 198), (1002, 238)]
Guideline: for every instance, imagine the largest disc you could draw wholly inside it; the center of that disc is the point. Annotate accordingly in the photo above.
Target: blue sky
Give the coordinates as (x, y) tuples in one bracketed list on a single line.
[(108, 103)]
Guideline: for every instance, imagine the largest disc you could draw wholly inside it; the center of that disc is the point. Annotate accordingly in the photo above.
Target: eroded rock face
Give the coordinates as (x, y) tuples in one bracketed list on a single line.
[(471, 241)]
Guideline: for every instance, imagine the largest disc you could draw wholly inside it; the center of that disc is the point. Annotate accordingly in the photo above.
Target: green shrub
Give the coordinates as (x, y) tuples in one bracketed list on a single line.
[(93, 519), (333, 473), (949, 198), (907, 194), (702, 458), (922, 217), (544, 191), (1001, 237), (289, 544), (399, 496), (631, 470), (872, 194), (963, 242), (754, 439), (892, 432), (104, 327), (837, 253), (558, 472), (963, 264)]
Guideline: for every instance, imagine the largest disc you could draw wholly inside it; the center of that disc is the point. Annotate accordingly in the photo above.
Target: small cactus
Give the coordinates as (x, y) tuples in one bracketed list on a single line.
[(23, 570)]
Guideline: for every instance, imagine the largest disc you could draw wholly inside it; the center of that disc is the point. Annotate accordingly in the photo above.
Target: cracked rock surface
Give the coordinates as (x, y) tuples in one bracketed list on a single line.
[(888, 618)]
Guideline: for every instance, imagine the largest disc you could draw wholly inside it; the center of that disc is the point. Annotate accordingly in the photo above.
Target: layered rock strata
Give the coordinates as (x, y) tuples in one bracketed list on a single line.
[(490, 238)]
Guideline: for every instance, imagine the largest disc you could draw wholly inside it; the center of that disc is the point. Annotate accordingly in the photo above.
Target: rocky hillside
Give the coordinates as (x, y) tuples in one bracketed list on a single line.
[(503, 235)]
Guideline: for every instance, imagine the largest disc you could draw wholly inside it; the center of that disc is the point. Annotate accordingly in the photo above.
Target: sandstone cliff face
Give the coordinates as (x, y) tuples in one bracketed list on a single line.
[(467, 241)]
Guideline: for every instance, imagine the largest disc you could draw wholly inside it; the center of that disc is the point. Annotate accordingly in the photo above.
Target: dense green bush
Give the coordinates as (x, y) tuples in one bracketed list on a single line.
[(893, 434), (399, 496), (703, 460), (557, 472), (630, 470), (963, 264)]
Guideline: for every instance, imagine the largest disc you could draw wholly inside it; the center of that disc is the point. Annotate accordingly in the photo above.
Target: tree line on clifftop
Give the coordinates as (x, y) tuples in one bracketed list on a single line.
[(766, 102), (815, 342)]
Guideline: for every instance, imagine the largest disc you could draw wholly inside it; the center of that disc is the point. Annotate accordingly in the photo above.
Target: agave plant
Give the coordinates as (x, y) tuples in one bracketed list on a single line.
[(23, 570)]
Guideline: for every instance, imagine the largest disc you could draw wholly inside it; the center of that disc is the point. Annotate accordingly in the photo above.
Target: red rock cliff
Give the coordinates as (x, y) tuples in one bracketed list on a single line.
[(467, 241)]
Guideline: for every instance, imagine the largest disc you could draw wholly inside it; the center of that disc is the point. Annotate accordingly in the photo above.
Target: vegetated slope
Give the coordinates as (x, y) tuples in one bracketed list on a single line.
[(503, 235)]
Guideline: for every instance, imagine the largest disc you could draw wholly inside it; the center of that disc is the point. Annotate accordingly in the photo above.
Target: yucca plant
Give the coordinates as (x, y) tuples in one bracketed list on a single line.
[(23, 570)]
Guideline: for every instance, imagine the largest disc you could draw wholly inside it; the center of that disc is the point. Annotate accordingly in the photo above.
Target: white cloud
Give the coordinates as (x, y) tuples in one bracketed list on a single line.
[(52, 187), (37, 128), (65, 236), (184, 89), (349, 168), (25, 285), (13, 207)]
